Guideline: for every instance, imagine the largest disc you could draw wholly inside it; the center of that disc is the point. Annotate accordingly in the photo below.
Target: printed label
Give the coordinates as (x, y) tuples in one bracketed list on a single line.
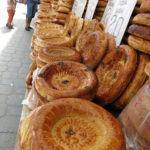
[(108, 10), (120, 16), (78, 7), (91, 9)]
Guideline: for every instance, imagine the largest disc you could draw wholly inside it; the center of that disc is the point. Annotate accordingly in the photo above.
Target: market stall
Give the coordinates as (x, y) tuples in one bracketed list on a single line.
[(89, 57)]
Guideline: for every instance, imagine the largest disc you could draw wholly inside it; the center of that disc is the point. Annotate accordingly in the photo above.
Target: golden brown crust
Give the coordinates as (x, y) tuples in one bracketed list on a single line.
[(33, 55), (147, 69), (49, 26), (137, 10), (37, 48), (145, 6), (97, 17), (54, 6), (102, 3), (32, 67), (89, 27), (70, 21), (58, 53), (94, 48), (54, 41), (139, 44), (76, 30), (45, 1), (114, 73), (139, 2), (100, 9), (63, 9), (68, 1), (61, 16), (71, 124), (32, 41), (40, 100), (39, 63), (45, 33), (65, 4), (100, 14), (142, 18), (47, 20), (135, 83), (102, 25), (111, 46), (47, 13), (140, 31), (61, 21), (66, 79)]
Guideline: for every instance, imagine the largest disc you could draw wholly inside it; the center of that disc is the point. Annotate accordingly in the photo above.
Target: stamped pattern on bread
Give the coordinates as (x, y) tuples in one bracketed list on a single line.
[(114, 73), (71, 124)]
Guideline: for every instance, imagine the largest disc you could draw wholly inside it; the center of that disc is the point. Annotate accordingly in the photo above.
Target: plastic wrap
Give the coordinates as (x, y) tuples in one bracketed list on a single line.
[(135, 119), (30, 100)]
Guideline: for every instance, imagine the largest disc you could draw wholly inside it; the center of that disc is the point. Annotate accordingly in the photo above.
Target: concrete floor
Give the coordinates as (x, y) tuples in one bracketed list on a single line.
[(14, 63)]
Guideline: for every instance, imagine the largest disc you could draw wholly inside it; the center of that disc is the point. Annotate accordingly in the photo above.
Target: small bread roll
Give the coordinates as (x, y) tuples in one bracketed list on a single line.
[(142, 18), (140, 31), (139, 44), (145, 6)]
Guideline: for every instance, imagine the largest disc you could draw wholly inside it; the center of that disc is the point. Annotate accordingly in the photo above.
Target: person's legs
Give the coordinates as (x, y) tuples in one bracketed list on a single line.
[(28, 22), (10, 18), (34, 10), (29, 15)]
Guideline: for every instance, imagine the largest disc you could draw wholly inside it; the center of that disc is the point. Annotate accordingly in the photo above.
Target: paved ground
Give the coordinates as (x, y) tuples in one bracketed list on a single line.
[(14, 63)]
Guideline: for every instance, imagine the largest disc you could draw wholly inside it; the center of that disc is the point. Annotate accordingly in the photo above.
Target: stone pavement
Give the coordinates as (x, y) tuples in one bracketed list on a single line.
[(14, 63)]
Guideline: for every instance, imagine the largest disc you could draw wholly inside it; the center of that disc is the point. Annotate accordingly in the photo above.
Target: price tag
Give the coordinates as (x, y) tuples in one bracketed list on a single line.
[(91, 9), (119, 19), (78, 7), (108, 10)]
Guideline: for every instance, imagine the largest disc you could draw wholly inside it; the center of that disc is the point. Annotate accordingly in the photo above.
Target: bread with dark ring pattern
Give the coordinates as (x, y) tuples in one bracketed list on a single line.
[(61, 79), (70, 124), (114, 73), (58, 53), (135, 84), (139, 44)]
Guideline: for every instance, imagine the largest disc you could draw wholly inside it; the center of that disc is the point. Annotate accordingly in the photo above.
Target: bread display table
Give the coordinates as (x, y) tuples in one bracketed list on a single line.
[(119, 72)]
